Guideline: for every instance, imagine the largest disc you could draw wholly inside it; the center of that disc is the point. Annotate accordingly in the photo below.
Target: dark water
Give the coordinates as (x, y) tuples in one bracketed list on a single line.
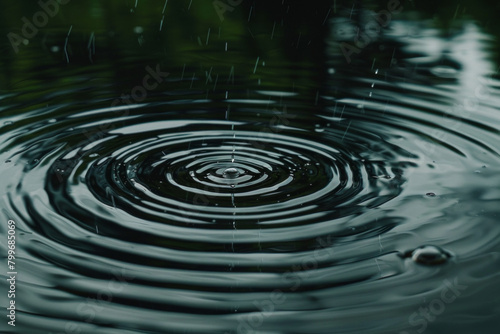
[(170, 170)]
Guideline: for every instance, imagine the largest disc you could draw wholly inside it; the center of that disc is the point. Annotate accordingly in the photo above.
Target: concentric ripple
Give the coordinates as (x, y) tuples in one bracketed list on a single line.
[(353, 203), (212, 177)]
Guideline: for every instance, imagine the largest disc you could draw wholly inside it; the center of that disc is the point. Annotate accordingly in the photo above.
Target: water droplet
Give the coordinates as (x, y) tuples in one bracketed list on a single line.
[(7, 123), (331, 71), (430, 255), (138, 30), (231, 173), (94, 155), (319, 128), (430, 194), (444, 71)]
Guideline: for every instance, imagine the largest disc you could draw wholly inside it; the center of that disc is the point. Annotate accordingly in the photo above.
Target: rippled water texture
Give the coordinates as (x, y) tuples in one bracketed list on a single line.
[(178, 174)]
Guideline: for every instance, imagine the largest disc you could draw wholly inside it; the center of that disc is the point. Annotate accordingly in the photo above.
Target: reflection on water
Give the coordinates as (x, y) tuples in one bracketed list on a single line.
[(194, 169)]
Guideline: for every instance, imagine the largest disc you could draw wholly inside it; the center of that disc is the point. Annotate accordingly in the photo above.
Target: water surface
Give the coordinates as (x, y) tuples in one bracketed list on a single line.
[(169, 172)]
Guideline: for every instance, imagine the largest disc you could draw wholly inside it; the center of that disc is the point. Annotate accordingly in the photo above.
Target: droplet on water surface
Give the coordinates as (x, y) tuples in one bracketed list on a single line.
[(231, 173), (319, 128), (430, 255)]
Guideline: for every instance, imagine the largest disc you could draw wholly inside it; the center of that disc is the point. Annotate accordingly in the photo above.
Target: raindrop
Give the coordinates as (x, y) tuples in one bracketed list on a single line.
[(430, 255), (319, 128), (444, 71), (231, 173)]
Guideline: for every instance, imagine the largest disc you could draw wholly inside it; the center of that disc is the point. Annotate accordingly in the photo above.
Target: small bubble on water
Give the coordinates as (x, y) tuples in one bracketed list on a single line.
[(7, 123), (319, 128), (430, 194), (430, 255)]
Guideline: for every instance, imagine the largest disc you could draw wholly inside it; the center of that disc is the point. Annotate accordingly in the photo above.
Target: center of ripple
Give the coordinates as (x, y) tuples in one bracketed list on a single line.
[(231, 173)]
